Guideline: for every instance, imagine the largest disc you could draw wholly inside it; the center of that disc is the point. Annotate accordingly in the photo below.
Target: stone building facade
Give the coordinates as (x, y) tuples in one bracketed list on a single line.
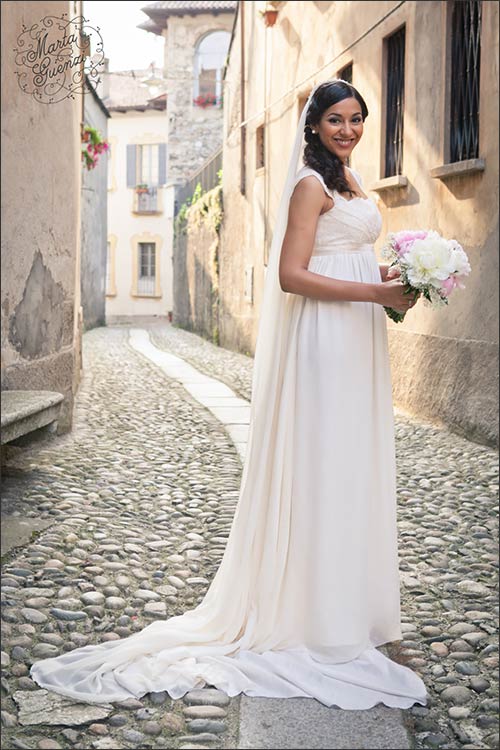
[(41, 196), (444, 363), (196, 37)]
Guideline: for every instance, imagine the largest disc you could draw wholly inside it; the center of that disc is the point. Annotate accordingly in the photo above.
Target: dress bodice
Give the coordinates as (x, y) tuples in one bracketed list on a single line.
[(350, 225)]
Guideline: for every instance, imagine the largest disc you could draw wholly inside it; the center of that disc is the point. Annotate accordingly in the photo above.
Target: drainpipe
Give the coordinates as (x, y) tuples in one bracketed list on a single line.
[(243, 134)]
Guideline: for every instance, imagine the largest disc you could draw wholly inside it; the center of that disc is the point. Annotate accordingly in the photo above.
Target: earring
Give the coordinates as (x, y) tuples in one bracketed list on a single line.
[(314, 132)]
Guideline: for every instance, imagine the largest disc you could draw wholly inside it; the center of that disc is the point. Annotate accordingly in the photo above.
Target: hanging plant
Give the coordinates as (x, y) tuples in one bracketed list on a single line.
[(93, 144)]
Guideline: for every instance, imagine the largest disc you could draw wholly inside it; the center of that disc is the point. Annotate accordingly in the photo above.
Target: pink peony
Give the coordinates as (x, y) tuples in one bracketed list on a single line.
[(404, 240), (452, 282), (448, 286)]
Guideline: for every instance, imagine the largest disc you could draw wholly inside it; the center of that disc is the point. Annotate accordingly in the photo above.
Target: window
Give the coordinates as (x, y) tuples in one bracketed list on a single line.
[(146, 276), (260, 148), (301, 103), (346, 73), (110, 266), (110, 167), (464, 89), (249, 283), (146, 164), (209, 61), (395, 83), (108, 270)]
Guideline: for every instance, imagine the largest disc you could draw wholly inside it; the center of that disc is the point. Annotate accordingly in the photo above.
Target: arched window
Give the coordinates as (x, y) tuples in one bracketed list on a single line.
[(209, 60)]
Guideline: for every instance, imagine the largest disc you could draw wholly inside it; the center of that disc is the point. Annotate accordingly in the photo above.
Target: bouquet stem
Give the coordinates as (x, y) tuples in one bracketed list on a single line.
[(394, 315)]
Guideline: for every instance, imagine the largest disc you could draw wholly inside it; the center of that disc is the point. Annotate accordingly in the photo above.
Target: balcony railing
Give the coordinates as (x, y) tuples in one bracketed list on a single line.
[(146, 200)]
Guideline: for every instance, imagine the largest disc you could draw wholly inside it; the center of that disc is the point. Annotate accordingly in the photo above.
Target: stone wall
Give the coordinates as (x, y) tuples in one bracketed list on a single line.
[(41, 181), (194, 133), (196, 307)]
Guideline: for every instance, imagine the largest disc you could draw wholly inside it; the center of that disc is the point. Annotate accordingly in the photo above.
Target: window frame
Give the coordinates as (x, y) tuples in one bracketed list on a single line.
[(340, 73), (110, 277), (260, 148)]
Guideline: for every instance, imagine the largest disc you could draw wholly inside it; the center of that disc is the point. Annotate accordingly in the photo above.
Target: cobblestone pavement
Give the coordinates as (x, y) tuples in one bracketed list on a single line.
[(141, 496)]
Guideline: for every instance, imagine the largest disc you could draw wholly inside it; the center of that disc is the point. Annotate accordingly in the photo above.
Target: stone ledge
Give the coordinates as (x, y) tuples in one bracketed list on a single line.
[(458, 168), (27, 411), (390, 183)]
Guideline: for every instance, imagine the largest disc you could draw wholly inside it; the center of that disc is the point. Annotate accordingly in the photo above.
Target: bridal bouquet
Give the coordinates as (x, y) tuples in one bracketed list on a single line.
[(430, 265)]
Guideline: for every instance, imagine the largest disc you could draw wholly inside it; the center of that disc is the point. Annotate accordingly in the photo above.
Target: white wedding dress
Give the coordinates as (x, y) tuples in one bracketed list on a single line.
[(309, 583)]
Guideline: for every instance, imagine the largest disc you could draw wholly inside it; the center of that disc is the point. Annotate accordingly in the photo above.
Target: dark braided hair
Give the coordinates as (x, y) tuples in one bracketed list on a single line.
[(316, 155)]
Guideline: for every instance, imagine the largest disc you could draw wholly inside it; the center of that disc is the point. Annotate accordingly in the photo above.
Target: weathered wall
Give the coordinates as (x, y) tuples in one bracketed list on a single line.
[(197, 269), (41, 178), (94, 227), (444, 363)]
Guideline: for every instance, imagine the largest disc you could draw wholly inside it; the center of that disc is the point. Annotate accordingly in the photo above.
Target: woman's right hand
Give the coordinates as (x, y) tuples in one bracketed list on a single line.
[(392, 294)]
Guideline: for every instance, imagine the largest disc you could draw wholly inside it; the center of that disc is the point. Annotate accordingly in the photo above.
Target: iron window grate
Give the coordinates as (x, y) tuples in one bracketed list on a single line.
[(465, 65), (395, 103)]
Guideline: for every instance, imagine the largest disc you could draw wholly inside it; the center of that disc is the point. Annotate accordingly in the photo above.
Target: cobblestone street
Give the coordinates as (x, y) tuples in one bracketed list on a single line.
[(127, 519)]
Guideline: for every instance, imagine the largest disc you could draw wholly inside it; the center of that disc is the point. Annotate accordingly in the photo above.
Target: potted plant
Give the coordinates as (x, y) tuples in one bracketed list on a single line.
[(270, 13), (93, 144), (205, 101), (141, 188)]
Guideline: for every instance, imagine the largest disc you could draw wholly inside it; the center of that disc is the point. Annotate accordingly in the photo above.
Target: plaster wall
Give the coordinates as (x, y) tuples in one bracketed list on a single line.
[(444, 363)]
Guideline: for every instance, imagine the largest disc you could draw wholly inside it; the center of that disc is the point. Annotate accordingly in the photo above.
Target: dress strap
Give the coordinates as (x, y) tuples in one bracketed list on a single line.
[(306, 172)]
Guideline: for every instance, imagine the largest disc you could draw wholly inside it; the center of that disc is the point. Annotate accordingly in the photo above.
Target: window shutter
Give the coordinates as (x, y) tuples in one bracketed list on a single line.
[(162, 165), (131, 165)]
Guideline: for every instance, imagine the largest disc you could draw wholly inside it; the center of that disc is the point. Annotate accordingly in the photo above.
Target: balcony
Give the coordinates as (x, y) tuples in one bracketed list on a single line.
[(146, 200)]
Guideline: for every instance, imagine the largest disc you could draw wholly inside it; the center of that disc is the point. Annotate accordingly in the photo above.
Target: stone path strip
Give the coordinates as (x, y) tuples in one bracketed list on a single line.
[(139, 499), (230, 409)]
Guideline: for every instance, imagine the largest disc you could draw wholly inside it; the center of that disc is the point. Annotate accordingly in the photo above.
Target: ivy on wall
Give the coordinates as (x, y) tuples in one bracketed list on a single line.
[(206, 209)]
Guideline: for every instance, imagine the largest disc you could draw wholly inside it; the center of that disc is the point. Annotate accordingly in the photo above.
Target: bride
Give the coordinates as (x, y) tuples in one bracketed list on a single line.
[(308, 586)]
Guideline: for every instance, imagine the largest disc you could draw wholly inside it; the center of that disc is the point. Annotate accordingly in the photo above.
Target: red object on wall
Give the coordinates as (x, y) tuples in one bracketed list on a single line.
[(270, 17)]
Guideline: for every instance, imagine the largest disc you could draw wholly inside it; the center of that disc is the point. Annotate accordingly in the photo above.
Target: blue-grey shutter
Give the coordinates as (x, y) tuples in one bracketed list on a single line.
[(162, 166), (131, 165)]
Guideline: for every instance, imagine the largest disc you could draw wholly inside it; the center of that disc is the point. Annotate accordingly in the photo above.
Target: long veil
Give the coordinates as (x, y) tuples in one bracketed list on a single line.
[(272, 338), (245, 635)]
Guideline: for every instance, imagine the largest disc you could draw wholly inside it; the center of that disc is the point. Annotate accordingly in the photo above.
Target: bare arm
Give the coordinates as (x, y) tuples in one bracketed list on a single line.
[(305, 207)]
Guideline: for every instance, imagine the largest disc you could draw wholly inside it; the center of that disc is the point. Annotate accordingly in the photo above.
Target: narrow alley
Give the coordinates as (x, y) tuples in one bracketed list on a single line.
[(125, 519)]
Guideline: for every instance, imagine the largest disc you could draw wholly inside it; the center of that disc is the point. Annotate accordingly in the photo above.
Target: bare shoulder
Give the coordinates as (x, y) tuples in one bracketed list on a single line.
[(308, 194)]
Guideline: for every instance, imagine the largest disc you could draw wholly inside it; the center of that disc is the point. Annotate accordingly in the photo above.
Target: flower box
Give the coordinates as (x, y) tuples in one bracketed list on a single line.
[(206, 101)]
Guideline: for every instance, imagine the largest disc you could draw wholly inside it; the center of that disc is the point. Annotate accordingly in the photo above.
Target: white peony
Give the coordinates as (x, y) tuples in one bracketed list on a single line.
[(429, 261), (460, 261)]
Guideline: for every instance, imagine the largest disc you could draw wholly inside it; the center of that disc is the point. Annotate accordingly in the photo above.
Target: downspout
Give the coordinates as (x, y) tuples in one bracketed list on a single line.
[(243, 135)]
